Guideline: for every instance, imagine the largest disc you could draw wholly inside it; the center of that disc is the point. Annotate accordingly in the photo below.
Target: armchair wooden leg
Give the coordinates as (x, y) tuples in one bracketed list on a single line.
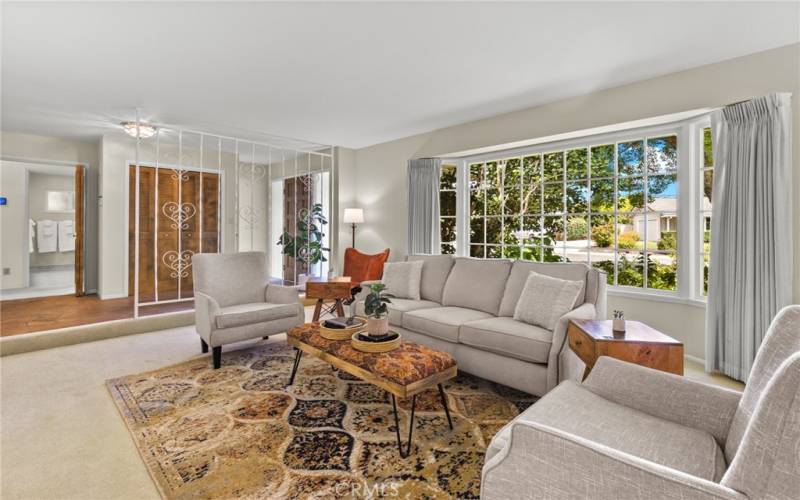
[(265, 337), (217, 354), (203, 346)]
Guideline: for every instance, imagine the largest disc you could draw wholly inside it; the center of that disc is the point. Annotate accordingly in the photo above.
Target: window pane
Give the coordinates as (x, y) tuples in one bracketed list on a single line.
[(706, 261), (631, 194), (493, 230), (477, 251), (512, 203), (577, 255), (447, 232), (513, 172), (629, 158), (531, 253), (553, 198), (494, 252), (602, 196), (532, 229), (532, 169), (708, 151), (553, 230), (512, 252), (602, 231), (577, 160), (476, 202), (550, 254), (532, 199), (447, 179), (476, 230), (662, 155), (447, 202), (603, 161), (577, 197), (662, 271), (662, 210), (630, 268), (554, 166), (511, 230), (578, 231), (476, 176), (448, 249), (494, 203), (494, 174), (708, 186)]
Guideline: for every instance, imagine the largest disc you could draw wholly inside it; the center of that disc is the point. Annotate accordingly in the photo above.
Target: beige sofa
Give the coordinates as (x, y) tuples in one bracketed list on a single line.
[(467, 307)]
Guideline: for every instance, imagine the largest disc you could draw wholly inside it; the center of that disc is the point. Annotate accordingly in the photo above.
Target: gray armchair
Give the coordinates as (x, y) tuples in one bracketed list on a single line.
[(633, 432), (234, 301)]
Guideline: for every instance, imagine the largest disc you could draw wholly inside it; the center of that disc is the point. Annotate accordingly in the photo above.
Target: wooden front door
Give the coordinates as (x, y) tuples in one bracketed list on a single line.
[(170, 229)]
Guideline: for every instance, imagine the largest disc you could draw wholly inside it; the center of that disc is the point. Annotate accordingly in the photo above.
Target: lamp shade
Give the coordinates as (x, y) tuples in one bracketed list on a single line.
[(353, 216)]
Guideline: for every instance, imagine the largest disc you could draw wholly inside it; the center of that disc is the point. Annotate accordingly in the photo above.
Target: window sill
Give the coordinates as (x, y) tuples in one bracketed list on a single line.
[(654, 297)]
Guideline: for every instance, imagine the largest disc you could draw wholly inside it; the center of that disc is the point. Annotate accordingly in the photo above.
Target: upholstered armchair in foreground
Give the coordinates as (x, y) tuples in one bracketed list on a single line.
[(633, 432), (234, 301)]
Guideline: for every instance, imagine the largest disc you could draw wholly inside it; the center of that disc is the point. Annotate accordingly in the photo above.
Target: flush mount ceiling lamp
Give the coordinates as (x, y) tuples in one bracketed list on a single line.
[(139, 129)]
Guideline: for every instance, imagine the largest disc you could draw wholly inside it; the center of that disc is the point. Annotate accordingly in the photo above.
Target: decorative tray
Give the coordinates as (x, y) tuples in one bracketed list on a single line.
[(364, 343), (342, 333)]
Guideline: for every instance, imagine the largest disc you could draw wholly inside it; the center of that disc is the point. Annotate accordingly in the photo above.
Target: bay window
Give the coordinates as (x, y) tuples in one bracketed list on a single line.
[(613, 201)]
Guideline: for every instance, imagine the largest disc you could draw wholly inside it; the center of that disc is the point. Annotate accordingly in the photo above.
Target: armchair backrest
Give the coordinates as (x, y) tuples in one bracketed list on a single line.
[(763, 444), (231, 278), (364, 267)]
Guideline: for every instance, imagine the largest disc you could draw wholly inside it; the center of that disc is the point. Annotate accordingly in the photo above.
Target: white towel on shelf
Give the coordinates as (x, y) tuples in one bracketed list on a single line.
[(66, 236), (47, 236), (31, 234)]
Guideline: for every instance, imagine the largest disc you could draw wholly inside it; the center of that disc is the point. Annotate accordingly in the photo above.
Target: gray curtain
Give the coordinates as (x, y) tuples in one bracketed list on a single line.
[(423, 205), (751, 230)]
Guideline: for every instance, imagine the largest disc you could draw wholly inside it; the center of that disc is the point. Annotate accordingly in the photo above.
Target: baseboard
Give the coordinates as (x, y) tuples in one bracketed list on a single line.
[(28, 342), (695, 359), (109, 296)]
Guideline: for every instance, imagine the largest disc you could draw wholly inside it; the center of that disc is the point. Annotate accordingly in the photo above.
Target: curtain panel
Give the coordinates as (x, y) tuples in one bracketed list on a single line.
[(423, 205), (751, 234)]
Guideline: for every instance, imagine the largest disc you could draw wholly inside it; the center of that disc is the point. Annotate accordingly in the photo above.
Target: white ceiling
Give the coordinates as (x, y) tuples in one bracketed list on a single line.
[(349, 74)]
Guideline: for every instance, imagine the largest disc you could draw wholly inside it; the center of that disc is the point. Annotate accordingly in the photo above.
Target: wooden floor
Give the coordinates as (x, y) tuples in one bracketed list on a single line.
[(48, 313)]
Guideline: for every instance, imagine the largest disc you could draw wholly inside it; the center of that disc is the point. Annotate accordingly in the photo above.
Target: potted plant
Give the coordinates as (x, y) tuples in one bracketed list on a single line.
[(377, 311), (306, 244)]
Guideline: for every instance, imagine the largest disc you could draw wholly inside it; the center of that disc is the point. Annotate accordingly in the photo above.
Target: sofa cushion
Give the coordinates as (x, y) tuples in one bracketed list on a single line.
[(476, 284), (575, 410), (441, 322), (545, 299), (402, 279), (435, 270), (258, 312), (398, 307), (572, 271), (508, 337)]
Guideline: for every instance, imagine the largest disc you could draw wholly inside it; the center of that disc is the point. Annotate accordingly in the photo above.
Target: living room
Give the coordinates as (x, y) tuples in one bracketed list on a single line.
[(386, 249)]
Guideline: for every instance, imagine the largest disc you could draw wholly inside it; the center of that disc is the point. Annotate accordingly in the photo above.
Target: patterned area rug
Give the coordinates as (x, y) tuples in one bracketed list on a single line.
[(237, 432)]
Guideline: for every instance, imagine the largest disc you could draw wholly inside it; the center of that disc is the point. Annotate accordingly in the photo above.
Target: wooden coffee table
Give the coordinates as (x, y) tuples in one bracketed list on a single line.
[(640, 344), (404, 372)]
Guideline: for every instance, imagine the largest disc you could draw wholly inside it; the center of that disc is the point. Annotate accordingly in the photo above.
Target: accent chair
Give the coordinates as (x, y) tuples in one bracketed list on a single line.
[(633, 432), (234, 300), (363, 267)]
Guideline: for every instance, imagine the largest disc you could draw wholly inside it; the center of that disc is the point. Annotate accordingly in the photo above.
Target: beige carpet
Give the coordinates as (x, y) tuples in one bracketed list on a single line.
[(238, 432)]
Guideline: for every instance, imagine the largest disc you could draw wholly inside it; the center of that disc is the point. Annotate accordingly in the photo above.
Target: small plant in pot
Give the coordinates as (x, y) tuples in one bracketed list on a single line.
[(377, 311)]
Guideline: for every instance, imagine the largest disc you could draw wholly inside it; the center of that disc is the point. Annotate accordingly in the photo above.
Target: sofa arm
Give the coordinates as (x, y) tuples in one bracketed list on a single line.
[(279, 294), (584, 311), (664, 395), (206, 309), (543, 462)]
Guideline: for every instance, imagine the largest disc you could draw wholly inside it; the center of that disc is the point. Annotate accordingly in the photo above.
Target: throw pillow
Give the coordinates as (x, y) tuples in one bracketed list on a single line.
[(402, 279), (545, 299)]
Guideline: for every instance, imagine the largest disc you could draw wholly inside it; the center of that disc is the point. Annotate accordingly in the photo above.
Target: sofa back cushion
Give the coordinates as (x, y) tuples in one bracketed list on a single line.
[(477, 284), (231, 278), (519, 275), (435, 269)]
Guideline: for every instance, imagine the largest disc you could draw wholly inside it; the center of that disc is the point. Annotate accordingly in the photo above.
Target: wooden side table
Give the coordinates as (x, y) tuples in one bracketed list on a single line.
[(329, 289), (640, 344)]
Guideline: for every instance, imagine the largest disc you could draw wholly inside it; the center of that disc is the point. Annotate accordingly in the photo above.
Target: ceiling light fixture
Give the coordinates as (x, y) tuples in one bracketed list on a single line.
[(140, 129)]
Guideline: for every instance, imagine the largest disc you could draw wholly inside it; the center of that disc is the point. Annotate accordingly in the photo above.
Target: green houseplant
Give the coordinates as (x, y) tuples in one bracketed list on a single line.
[(306, 244), (377, 311)]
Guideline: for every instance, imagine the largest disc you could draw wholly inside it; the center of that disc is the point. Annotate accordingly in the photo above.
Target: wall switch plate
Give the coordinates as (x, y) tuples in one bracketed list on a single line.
[(6, 271)]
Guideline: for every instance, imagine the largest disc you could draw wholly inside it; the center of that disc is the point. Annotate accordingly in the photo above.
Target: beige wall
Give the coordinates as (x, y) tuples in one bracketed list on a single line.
[(43, 149), (38, 185), (14, 225), (380, 180)]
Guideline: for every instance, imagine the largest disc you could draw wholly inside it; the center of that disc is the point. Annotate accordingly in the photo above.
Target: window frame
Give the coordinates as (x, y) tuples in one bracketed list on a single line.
[(689, 132)]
